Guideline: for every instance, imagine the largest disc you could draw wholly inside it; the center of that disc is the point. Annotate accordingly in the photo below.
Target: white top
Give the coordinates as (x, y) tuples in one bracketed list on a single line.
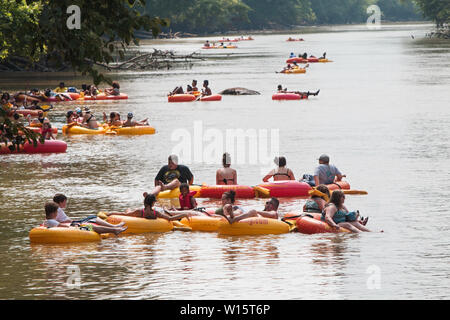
[(61, 216), (50, 223)]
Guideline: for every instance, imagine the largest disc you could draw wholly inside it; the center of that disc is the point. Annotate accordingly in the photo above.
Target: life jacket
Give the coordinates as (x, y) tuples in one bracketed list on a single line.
[(185, 201)]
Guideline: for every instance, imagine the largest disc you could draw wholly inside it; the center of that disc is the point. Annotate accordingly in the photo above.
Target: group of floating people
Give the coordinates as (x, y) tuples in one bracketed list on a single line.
[(331, 206), (87, 119), (193, 89)]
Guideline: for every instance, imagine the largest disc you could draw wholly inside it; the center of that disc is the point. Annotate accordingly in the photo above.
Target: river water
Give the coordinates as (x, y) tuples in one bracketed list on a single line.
[(382, 115)]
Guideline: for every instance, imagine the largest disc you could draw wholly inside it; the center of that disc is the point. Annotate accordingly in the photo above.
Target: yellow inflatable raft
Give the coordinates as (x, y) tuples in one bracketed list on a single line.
[(254, 226), (105, 129), (141, 225), (295, 70), (62, 235), (203, 223)]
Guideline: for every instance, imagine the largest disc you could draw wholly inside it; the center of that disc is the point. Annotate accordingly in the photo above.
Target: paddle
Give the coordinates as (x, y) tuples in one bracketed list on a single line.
[(354, 192)]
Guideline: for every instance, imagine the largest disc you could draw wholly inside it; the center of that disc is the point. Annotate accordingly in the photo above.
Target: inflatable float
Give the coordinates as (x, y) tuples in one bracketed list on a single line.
[(216, 191), (294, 70), (181, 97), (204, 223), (253, 226), (62, 235), (297, 60), (49, 146), (175, 193), (105, 129), (220, 47), (311, 223), (301, 39), (102, 96), (141, 225), (287, 188), (38, 129), (213, 97), (288, 96)]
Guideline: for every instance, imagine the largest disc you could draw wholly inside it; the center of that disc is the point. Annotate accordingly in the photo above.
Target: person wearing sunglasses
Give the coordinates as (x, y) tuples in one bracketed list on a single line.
[(270, 211)]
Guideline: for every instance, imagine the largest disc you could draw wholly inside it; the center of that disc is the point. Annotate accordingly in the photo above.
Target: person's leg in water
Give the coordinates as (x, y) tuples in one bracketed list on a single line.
[(349, 226), (359, 226)]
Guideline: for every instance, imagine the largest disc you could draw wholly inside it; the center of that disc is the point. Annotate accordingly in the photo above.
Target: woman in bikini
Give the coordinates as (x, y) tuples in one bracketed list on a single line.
[(280, 173), (89, 121), (226, 175)]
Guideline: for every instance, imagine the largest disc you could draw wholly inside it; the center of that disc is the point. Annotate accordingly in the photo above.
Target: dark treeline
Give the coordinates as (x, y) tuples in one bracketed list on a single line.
[(206, 16)]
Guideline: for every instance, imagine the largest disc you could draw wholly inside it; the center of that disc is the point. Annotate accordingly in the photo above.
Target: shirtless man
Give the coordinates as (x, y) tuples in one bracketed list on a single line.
[(269, 211), (132, 123), (206, 91), (226, 175)]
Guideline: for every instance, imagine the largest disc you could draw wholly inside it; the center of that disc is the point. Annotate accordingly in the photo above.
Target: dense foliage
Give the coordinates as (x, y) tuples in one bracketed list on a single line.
[(206, 16), (33, 28), (437, 10)]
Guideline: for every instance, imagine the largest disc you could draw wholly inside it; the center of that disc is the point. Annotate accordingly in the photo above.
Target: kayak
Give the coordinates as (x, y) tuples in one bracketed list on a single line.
[(103, 96), (295, 70), (181, 97), (62, 235), (295, 39), (339, 185), (213, 97), (254, 226), (49, 146), (325, 60), (288, 96), (141, 225)]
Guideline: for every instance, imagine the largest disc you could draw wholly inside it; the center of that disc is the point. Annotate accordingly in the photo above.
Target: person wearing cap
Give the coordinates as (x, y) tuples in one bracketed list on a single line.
[(62, 88), (132, 123), (206, 91), (326, 173), (89, 121), (173, 174)]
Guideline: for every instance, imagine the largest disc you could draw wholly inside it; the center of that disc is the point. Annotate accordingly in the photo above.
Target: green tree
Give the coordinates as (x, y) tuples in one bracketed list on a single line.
[(340, 11), (394, 10), (437, 10)]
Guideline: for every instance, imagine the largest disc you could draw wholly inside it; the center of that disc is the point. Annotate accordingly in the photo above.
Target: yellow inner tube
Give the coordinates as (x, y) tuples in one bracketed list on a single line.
[(62, 235), (141, 225), (254, 226)]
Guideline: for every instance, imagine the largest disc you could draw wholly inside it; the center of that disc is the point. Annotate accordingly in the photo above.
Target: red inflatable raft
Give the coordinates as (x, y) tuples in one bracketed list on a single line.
[(287, 188), (298, 60), (181, 98), (102, 96), (308, 225), (216, 191), (288, 96), (49, 146), (213, 97)]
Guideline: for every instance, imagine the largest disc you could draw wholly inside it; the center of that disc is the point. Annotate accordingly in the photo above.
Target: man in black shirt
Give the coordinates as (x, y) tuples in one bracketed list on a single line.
[(172, 175)]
